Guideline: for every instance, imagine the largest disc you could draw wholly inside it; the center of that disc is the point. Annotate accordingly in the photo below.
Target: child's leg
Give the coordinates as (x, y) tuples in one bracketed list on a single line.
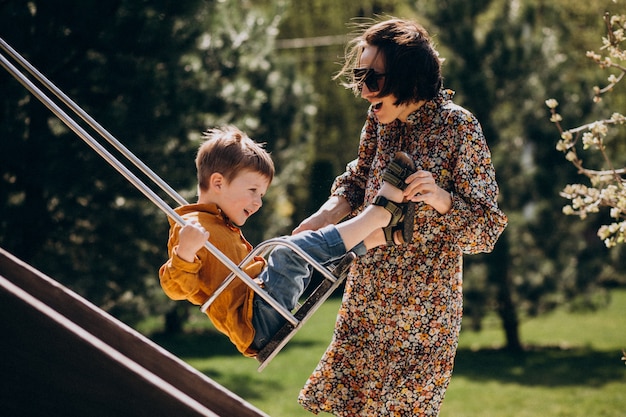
[(287, 276), (362, 227), (374, 239)]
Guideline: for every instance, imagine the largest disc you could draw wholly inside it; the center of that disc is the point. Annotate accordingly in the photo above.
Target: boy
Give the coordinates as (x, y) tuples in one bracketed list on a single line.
[(234, 173)]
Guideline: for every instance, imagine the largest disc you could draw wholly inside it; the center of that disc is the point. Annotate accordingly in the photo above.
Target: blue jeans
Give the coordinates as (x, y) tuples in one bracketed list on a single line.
[(287, 276)]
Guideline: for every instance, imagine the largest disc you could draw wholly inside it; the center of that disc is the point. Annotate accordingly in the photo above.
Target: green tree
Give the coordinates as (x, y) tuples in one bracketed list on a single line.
[(155, 74)]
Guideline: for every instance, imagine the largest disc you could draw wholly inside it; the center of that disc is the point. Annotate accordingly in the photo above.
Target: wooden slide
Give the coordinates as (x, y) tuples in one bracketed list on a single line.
[(62, 356)]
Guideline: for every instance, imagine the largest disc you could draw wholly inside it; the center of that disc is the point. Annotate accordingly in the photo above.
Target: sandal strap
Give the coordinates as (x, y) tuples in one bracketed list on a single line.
[(395, 174), (389, 231), (404, 224), (394, 208)]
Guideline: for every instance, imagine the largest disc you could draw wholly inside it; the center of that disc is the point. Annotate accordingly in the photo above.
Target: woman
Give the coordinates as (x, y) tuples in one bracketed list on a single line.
[(397, 331)]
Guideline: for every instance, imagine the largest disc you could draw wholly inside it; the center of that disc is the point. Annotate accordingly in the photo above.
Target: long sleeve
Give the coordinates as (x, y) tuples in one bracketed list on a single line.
[(475, 220), (180, 279), (446, 140)]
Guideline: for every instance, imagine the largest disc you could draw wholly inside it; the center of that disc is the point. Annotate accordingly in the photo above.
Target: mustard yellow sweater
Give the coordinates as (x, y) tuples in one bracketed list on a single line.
[(231, 312)]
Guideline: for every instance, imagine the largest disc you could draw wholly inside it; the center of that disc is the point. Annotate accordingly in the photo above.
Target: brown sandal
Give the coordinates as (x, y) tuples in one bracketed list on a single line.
[(405, 226), (396, 173), (400, 167)]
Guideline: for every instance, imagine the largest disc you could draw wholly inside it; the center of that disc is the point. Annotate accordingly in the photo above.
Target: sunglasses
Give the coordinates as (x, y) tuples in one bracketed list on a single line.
[(367, 76)]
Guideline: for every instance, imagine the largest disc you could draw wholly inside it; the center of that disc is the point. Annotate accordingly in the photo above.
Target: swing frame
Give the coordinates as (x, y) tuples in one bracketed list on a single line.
[(333, 275)]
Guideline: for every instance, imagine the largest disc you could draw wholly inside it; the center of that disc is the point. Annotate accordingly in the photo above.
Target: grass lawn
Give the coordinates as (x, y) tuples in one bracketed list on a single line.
[(573, 367)]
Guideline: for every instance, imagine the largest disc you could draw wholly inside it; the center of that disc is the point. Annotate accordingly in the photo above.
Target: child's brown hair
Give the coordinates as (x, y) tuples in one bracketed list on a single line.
[(229, 151)]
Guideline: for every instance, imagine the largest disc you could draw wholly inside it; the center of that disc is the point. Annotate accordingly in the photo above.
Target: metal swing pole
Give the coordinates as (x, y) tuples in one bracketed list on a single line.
[(91, 122), (133, 179)]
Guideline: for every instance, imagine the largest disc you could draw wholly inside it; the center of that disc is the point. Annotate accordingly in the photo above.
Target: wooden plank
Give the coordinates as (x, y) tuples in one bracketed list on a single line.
[(61, 355)]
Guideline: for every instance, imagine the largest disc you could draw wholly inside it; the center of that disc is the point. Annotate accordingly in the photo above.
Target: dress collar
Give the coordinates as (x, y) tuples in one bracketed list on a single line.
[(429, 109)]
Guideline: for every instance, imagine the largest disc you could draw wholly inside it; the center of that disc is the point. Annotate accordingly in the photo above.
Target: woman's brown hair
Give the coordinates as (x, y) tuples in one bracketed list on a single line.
[(412, 65)]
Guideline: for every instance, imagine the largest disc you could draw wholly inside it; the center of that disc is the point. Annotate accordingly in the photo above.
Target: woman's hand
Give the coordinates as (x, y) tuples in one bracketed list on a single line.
[(331, 212), (313, 222), (422, 187)]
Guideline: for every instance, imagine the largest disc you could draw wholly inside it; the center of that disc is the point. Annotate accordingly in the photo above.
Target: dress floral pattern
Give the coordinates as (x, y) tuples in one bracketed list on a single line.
[(396, 335)]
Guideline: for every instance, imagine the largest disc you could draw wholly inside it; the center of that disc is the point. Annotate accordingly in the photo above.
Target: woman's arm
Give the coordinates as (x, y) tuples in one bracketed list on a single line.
[(331, 212)]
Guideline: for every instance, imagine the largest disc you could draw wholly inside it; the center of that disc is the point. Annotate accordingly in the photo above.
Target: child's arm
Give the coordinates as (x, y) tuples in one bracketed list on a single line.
[(179, 275), (191, 238)]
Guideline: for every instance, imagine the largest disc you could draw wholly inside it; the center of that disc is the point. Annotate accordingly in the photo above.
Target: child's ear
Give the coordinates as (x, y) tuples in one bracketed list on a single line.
[(216, 181)]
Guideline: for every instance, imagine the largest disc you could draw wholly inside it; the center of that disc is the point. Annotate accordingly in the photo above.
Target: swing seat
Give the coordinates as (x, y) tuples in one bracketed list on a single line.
[(306, 310), (333, 276)]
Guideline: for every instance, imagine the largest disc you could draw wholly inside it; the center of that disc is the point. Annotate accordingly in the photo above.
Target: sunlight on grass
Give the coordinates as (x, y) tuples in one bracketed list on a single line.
[(274, 390), (572, 368)]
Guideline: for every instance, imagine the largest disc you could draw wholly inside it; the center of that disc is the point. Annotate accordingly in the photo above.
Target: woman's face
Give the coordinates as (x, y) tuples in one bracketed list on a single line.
[(383, 107)]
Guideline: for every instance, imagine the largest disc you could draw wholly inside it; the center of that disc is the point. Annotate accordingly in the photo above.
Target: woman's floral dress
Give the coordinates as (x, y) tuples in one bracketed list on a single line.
[(397, 331)]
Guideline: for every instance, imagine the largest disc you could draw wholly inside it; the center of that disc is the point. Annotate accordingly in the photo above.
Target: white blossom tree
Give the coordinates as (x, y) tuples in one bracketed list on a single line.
[(607, 188)]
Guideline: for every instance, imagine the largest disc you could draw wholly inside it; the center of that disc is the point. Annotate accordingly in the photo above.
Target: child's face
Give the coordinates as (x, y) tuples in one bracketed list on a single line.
[(242, 197)]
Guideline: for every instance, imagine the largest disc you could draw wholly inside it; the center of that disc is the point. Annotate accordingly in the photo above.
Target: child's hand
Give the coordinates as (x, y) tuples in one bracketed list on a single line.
[(191, 238)]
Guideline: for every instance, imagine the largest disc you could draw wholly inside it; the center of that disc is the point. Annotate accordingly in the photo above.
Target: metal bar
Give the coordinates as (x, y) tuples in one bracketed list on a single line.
[(93, 123), (151, 195), (277, 241)]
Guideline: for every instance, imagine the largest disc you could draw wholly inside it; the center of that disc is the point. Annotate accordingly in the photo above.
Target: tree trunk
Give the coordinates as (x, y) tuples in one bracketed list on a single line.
[(176, 318), (499, 271)]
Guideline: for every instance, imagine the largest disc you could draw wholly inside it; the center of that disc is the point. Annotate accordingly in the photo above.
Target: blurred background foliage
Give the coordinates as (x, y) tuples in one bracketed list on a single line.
[(157, 74)]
